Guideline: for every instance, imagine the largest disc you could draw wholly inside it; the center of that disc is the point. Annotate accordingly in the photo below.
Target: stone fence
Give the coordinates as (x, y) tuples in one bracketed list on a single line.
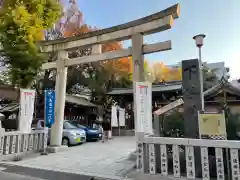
[(14, 143), (179, 158)]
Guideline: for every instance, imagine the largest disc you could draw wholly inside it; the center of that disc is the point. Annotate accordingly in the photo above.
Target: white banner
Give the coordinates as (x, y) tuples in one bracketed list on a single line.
[(121, 117), (144, 107), (114, 120), (27, 99)]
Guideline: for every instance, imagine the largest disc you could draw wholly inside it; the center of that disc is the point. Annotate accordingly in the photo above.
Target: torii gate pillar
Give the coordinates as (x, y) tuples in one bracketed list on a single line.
[(60, 88)]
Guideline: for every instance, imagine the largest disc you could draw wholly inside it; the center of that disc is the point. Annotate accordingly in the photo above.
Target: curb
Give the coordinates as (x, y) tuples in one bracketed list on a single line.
[(133, 156)]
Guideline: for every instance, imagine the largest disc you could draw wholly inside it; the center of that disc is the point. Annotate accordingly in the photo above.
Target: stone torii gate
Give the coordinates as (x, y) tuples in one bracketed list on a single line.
[(134, 30)]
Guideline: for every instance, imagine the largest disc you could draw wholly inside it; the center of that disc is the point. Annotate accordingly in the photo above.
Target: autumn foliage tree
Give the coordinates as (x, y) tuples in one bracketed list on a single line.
[(118, 67), (22, 23), (101, 76), (163, 73)]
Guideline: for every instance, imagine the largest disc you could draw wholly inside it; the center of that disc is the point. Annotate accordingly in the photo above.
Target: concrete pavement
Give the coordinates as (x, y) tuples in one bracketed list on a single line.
[(107, 160)]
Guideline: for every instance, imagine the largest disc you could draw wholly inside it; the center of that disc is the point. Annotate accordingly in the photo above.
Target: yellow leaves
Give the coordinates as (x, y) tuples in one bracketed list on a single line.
[(40, 8), (146, 65), (39, 35), (165, 73), (179, 73), (159, 72), (30, 17), (30, 38), (32, 30), (20, 15)]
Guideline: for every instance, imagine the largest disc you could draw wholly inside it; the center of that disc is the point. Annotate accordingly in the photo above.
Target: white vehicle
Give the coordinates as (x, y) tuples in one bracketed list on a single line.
[(72, 135)]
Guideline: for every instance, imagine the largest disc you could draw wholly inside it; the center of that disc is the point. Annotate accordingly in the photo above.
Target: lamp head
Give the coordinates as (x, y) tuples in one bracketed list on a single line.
[(199, 39)]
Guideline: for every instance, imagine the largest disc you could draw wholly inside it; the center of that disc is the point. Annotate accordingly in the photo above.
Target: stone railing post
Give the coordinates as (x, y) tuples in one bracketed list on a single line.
[(2, 132), (13, 143), (60, 87), (19, 143), (30, 142), (45, 138)]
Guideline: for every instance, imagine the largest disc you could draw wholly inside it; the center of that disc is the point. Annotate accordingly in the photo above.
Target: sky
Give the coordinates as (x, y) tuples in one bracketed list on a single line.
[(217, 19)]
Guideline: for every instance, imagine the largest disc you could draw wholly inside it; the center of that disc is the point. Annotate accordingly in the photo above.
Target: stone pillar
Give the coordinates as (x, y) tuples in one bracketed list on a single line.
[(138, 76), (192, 96), (138, 68), (60, 87), (193, 102)]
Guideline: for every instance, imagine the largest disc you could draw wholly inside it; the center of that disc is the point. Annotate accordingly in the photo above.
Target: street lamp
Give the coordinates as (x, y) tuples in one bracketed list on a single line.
[(199, 43)]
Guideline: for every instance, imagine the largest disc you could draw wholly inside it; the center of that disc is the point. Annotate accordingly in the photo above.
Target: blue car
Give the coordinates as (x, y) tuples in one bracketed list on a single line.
[(92, 134)]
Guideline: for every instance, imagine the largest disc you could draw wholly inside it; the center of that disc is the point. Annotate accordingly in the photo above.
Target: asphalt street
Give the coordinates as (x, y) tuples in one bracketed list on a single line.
[(10, 176), (25, 173)]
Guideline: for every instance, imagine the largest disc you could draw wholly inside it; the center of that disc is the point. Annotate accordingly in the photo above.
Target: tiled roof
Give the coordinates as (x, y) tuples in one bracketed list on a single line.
[(177, 85), (171, 86)]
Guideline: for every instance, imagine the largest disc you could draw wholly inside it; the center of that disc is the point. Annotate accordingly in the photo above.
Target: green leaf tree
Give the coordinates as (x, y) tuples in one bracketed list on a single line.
[(22, 25), (209, 78)]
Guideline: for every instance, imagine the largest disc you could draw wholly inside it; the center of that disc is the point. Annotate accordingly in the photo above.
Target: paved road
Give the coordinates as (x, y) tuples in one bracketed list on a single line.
[(21, 173), (10, 176), (13, 172), (106, 160)]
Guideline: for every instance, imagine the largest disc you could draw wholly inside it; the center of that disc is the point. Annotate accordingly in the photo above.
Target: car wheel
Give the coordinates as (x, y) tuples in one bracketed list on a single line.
[(65, 142)]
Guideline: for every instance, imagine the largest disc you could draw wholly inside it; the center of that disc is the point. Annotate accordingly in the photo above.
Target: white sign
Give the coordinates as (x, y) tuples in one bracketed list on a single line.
[(169, 107), (27, 98), (144, 107), (121, 117), (114, 121)]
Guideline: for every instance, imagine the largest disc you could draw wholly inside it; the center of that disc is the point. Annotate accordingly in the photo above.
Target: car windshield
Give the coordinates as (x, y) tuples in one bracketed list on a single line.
[(80, 126), (67, 125)]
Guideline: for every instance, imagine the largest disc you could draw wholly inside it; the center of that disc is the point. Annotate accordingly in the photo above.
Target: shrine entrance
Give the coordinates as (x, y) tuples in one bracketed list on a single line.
[(134, 30)]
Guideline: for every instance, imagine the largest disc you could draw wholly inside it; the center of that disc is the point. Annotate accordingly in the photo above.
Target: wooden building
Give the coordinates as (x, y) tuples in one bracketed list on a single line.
[(162, 94), (77, 108)]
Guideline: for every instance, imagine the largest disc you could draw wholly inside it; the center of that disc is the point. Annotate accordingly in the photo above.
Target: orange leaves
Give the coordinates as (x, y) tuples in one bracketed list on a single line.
[(76, 31), (119, 66), (83, 29), (67, 34), (111, 46)]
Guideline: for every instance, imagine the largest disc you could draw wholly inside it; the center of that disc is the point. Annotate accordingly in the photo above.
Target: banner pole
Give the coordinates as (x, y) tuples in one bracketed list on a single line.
[(45, 126)]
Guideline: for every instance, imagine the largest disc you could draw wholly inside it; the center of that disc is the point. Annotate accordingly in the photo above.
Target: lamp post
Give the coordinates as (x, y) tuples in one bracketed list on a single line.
[(199, 43)]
